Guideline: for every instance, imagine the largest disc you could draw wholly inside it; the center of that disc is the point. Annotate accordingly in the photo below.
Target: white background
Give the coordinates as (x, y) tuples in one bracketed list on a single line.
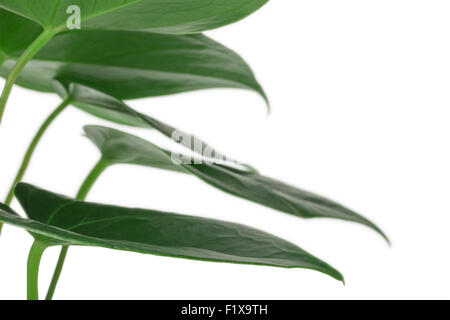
[(360, 94)]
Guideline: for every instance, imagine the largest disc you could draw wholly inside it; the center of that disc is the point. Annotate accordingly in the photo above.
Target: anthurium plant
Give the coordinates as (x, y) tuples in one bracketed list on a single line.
[(95, 54)]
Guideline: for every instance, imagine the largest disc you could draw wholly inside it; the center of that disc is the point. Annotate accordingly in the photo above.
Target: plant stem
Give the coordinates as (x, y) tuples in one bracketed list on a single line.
[(82, 193), (34, 260), (29, 53), (57, 273), (32, 147), (92, 178)]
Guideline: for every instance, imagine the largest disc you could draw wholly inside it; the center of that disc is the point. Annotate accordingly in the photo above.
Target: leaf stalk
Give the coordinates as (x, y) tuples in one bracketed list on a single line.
[(32, 147), (90, 180), (87, 185), (28, 54), (57, 273), (34, 260)]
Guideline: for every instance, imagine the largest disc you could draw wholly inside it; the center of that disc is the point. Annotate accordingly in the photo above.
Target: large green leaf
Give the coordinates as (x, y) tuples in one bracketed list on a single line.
[(129, 65), (16, 33), (125, 64), (119, 147), (57, 220), (167, 16)]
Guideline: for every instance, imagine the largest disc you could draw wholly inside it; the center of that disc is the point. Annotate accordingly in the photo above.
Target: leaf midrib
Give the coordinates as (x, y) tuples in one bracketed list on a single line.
[(74, 238)]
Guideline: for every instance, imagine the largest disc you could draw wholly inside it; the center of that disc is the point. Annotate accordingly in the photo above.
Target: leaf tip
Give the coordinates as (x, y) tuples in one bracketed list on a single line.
[(339, 277), (266, 100), (381, 233)]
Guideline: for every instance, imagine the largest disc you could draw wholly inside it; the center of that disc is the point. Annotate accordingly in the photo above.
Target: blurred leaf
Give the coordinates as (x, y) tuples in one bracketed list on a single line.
[(119, 147), (109, 108)]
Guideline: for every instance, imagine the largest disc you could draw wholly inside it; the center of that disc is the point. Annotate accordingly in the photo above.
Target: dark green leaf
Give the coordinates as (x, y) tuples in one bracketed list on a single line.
[(16, 33), (56, 220), (130, 65), (167, 16), (248, 185)]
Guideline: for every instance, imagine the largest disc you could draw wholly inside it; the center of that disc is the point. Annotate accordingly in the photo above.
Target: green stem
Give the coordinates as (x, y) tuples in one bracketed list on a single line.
[(32, 147), (91, 179), (34, 260), (57, 273), (29, 53), (82, 193)]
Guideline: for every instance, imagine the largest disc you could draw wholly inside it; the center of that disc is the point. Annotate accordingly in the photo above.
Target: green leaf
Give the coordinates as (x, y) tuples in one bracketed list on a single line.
[(163, 64), (119, 147), (130, 65), (57, 220), (5, 208), (167, 16), (16, 33), (109, 108), (99, 104)]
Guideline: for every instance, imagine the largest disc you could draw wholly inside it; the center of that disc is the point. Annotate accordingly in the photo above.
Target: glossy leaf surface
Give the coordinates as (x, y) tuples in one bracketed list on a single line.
[(167, 16), (120, 147), (57, 220), (130, 65)]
